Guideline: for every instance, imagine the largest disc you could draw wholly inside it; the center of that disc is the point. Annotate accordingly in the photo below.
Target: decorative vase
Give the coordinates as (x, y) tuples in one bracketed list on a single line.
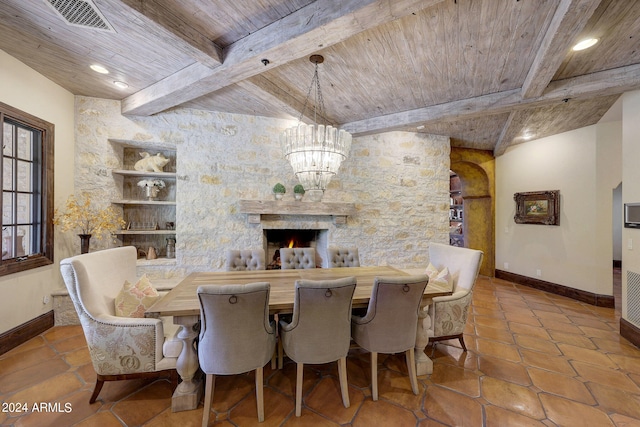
[(314, 195), (278, 195), (298, 196), (152, 193), (171, 248), (84, 243)]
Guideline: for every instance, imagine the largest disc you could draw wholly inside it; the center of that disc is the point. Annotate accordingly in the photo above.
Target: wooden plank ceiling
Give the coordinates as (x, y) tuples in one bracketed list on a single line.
[(487, 73)]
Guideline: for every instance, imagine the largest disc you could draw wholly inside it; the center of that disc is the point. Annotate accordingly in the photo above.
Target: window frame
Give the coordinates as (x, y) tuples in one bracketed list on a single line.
[(46, 165)]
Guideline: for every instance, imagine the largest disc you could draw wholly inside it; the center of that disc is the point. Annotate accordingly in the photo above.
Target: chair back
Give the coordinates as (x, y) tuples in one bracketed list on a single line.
[(297, 258), (390, 323), (235, 333), (463, 264), (242, 260), (94, 279), (343, 257), (320, 330)]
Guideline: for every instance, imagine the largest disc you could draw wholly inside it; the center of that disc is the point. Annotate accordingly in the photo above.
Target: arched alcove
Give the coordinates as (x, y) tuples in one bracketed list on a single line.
[(476, 169)]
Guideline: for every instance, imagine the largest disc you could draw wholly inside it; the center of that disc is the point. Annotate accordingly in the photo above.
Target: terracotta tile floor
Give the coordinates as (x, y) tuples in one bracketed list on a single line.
[(534, 359)]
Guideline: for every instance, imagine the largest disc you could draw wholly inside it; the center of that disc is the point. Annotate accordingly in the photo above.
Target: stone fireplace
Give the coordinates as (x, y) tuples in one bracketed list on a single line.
[(390, 198), (274, 239)]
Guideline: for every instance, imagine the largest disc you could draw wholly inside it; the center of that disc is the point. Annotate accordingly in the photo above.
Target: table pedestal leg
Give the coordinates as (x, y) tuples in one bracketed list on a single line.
[(424, 365), (189, 391)]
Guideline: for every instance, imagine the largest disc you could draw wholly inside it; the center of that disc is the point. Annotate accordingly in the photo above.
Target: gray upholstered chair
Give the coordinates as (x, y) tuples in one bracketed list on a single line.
[(297, 258), (320, 329), (447, 315), (235, 337), (390, 323), (241, 260), (120, 347), (343, 257)]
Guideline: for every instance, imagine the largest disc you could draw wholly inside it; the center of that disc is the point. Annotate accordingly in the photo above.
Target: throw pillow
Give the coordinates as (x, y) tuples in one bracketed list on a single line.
[(438, 277), (134, 300)]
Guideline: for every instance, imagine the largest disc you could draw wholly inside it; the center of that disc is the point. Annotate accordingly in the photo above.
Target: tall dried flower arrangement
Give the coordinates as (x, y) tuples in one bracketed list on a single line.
[(87, 220)]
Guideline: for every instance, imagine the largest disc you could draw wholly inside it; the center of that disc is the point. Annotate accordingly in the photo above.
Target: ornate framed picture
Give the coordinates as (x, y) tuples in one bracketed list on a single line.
[(538, 207)]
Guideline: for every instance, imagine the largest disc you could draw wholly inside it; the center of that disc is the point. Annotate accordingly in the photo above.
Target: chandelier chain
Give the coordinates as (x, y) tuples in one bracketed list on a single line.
[(318, 107)]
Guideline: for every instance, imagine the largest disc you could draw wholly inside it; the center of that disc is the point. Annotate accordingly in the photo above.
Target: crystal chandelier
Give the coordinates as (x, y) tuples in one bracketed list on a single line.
[(315, 151)]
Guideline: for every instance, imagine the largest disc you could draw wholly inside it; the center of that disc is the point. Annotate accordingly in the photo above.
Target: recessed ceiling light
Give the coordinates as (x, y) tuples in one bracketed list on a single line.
[(99, 69), (585, 44), (121, 85), (420, 127)]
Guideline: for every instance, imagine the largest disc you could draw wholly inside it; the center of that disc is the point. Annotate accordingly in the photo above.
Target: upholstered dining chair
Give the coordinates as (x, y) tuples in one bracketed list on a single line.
[(320, 329), (391, 321), (343, 257), (120, 347), (447, 315), (297, 258), (235, 336), (242, 260)]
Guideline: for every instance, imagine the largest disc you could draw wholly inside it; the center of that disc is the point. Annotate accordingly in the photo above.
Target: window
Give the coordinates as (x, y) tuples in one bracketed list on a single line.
[(27, 191)]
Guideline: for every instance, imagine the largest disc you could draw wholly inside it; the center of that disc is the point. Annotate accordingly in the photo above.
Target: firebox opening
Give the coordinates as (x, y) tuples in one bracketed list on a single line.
[(287, 238)]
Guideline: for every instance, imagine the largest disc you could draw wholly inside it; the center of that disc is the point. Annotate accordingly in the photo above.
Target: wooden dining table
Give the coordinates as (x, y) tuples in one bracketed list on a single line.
[(182, 304)]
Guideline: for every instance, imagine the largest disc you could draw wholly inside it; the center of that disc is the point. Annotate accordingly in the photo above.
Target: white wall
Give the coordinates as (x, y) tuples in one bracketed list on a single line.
[(618, 219), (630, 194), (21, 294), (578, 252)]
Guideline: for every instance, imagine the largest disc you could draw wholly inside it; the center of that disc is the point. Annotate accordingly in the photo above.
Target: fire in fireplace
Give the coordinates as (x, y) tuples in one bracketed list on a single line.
[(287, 238)]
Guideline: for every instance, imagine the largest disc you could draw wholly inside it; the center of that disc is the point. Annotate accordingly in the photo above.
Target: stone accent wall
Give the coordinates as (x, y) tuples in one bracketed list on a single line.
[(399, 182)]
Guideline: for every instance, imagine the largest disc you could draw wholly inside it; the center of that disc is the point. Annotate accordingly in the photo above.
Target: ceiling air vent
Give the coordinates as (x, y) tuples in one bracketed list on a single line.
[(80, 13)]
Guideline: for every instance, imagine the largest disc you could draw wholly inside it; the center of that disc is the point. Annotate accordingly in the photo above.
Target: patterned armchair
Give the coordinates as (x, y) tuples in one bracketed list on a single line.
[(447, 315), (120, 347)]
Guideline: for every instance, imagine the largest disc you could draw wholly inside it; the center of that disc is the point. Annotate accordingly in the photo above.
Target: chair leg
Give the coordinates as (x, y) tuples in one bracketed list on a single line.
[(411, 367), (342, 376), (208, 396), (374, 375), (260, 394), (461, 339), (299, 372), (96, 389), (274, 358)]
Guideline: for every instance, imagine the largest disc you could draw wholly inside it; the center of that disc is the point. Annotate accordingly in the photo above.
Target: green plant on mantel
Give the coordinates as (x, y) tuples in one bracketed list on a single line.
[(279, 189), (298, 189)]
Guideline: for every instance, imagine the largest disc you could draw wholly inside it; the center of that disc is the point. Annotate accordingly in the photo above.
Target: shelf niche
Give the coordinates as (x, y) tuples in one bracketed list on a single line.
[(141, 214)]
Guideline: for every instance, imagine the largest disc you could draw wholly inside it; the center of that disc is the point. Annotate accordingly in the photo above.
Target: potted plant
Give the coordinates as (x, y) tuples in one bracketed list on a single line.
[(151, 187), (279, 190), (298, 191)]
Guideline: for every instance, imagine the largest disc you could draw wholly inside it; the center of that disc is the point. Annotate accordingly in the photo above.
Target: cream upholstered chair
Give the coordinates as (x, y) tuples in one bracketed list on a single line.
[(343, 257), (297, 258), (391, 322), (241, 260), (236, 335), (320, 329), (120, 347), (447, 315)]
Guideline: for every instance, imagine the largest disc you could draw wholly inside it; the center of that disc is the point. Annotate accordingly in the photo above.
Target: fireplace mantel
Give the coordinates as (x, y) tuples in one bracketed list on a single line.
[(338, 210)]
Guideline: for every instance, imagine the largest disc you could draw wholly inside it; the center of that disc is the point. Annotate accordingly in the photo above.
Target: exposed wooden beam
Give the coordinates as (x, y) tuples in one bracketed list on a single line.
[(512, 128), (319, 25), (193, 43), (471, 107), (609, 82), (274, 91), (569, 19)]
